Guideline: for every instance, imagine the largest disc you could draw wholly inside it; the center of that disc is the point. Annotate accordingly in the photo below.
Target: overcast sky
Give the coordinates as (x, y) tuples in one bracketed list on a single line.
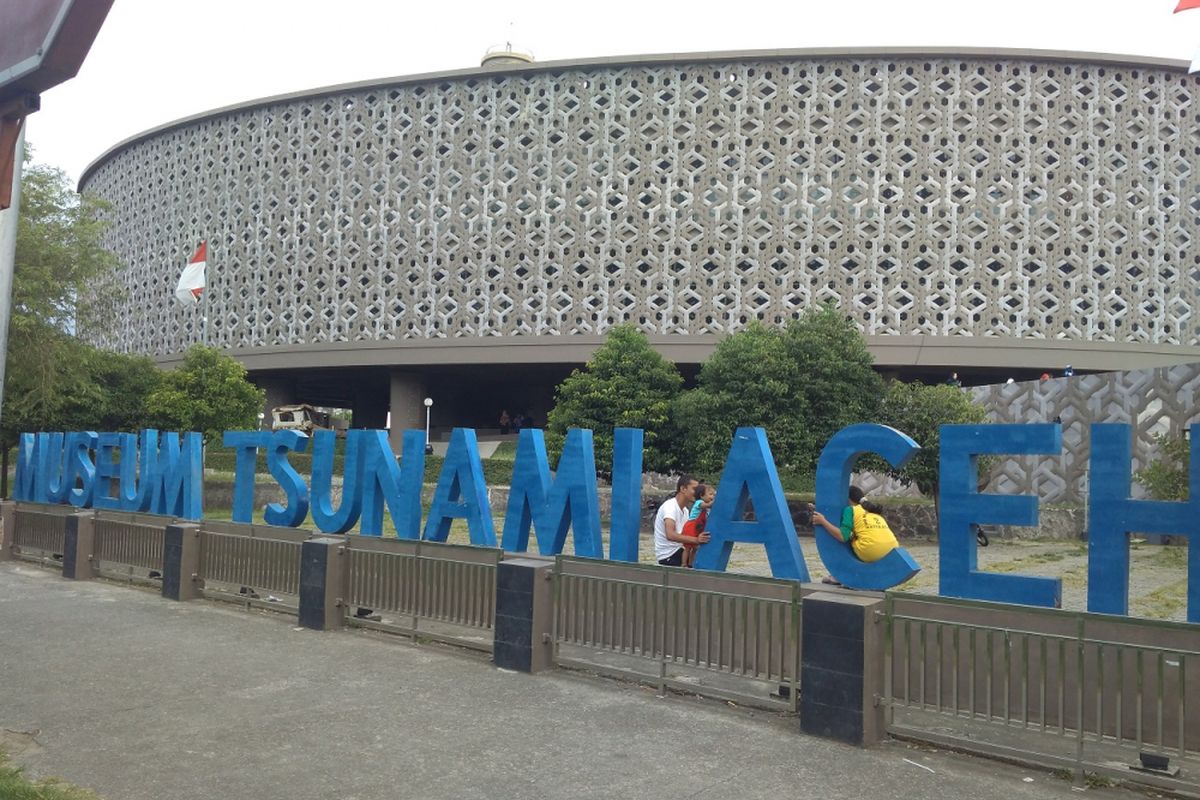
[(159, 60)]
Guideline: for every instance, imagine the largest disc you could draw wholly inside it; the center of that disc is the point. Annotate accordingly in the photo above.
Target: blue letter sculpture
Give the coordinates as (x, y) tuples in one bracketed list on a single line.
[(245, 445), (1112, 516), (462, 477), (383, 480), (750, 475), (346, 517), (53, 469), (568, 502), (81, 472), (625, 520), (107, 470), (25, 485), (176, 477), (961, 506), (134, 490), (833, 484), (291, 515)]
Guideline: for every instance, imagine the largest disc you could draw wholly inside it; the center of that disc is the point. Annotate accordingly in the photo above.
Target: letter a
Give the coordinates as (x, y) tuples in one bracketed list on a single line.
[(750, 474)]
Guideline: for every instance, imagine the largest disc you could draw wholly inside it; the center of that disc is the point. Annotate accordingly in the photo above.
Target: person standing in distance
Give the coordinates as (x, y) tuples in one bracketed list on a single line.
[(669, 538)]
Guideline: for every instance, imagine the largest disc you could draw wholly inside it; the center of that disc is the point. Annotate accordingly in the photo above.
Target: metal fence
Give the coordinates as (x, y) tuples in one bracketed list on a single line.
[(437, 591), (727, 636), (258, 565), (129, 546), (38, 532), (1087, 692)]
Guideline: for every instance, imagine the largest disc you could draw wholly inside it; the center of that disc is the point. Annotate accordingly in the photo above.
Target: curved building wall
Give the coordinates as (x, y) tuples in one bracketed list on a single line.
[(1021, 196)]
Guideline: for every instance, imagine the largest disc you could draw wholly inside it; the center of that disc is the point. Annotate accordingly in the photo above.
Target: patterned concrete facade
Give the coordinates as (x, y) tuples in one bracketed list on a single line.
[(952, 197), (1155, 401)]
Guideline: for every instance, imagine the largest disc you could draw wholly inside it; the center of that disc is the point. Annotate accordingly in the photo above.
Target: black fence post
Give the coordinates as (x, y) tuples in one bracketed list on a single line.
[(79, 541), (841, 667), (524, 610), (324, 579), (8, 533), (181, 562)]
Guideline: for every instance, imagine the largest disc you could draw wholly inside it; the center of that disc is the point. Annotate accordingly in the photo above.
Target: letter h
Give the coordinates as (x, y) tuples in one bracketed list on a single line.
[(1113, 515)]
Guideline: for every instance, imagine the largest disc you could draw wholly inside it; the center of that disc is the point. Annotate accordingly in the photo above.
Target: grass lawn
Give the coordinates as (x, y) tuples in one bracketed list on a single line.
[(15, 786)]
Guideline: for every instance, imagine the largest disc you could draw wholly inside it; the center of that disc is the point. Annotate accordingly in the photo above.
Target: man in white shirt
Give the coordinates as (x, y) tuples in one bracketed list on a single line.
[(668, 524)]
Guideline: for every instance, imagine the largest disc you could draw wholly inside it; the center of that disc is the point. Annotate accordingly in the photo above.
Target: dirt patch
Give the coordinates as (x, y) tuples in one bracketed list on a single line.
[(19, 743)]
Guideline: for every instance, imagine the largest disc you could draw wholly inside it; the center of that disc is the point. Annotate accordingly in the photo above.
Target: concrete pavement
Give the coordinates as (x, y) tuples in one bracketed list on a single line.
[(140, 698)]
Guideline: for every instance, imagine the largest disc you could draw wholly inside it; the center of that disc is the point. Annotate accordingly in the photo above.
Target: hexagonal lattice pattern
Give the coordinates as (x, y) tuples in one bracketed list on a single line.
[(942, 195), (1154, 401)]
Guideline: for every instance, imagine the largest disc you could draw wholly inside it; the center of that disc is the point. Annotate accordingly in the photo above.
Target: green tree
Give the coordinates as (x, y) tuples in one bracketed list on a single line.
[(836, 377), (62, 267), (46, 383), (126, 382), (209, 394), (626, 384), (1166, 478), (749, 380), (60, 262), (920, 411), (801, 384)]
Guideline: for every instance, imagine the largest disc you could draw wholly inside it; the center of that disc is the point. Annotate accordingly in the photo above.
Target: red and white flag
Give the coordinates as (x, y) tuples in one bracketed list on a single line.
[(191, 282), (1188, 5)]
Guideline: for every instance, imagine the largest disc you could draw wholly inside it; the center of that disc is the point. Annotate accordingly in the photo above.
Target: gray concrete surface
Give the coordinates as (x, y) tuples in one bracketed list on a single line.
[(137, 697)]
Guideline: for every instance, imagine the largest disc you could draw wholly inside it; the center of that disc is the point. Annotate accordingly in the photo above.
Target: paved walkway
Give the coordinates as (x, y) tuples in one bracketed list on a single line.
[(137, 697)]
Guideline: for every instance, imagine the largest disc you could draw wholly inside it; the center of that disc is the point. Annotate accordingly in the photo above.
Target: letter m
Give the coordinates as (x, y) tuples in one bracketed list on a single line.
[(26, 483), (553, 506)]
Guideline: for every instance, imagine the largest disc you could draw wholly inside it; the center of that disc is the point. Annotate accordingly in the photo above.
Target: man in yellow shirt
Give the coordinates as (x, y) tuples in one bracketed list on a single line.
[(862, 526)]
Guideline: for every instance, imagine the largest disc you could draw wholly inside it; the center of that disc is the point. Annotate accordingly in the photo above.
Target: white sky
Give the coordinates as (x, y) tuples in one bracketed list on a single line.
[(158, 60)]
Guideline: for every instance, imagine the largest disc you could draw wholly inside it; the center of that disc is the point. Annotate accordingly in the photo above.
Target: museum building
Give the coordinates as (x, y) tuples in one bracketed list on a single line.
[(470, 236)]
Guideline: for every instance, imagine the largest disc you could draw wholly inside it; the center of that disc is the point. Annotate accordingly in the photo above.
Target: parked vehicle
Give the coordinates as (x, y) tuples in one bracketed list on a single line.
[(305, 418)]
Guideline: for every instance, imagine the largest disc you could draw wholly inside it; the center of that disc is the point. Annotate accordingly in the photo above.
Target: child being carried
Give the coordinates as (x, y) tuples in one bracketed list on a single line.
[(697, 520)]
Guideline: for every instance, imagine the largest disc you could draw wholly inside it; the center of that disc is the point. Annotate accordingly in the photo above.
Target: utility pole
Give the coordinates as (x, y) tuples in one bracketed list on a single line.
[(8, 254)]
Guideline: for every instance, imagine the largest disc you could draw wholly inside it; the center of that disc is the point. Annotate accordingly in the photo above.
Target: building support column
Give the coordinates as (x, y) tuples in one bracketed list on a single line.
[(280, 392), (370, 407), (406, 402)]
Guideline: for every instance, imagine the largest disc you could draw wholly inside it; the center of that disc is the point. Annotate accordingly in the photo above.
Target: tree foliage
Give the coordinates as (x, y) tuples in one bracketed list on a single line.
[(749, 380), (836, 377), (78, 388), (62, 265), (920, 411), (53, 381), (209, 394), (46, 381), (801, 384), (627, 384), (1166, 478), (126, 382)]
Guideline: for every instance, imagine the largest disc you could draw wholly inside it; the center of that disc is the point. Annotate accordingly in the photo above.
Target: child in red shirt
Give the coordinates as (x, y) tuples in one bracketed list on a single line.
[(697, 520)]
